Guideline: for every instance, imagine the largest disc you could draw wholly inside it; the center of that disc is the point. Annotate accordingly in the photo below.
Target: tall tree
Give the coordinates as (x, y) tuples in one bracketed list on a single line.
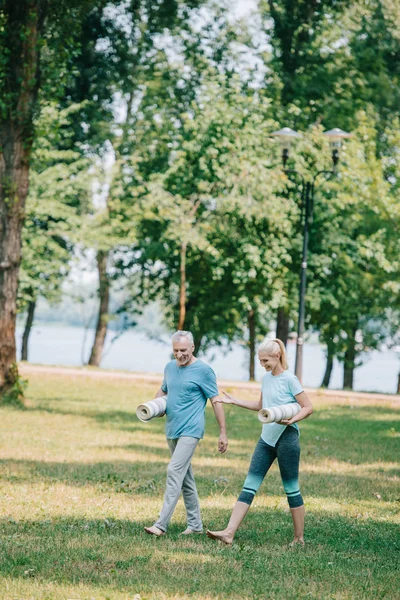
[(352, 262), (141, 79), (29, 30), (227, 213), (60, 186), (21, 26)]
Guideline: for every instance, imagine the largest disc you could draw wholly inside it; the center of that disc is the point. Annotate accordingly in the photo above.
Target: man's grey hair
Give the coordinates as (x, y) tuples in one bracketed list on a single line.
[(180, 334)]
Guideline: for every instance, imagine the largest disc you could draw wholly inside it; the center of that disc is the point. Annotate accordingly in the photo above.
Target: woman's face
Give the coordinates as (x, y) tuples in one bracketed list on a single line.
[(268, 361)]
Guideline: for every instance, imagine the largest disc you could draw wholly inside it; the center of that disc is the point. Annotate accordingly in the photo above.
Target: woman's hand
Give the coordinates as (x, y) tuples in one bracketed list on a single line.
[(225, 399), (305, 412)]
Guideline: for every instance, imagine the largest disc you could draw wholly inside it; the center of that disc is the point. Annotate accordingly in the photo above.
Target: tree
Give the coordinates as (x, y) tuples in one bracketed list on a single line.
[(352, 259), (29, 30), (59, 193), (140, 79), (213, 232)]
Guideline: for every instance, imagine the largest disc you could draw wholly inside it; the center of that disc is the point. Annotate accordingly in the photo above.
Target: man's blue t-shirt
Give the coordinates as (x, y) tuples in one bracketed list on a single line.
[(277, 390), (188, 389)]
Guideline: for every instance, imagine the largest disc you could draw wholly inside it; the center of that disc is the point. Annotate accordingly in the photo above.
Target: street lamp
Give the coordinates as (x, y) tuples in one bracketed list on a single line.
[(286, 136), (336, 137)]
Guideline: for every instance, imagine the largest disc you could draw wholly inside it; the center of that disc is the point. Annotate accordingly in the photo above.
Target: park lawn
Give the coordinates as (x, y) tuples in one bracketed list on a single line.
[(81, 476)]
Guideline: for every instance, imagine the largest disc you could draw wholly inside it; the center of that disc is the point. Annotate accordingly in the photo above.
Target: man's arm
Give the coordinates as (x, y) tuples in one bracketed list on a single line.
[(160, 392), (220, 416)]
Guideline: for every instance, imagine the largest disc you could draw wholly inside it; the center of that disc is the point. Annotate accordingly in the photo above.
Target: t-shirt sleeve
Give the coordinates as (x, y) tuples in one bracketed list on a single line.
[(295, 386), (164, 385), (209, 383)]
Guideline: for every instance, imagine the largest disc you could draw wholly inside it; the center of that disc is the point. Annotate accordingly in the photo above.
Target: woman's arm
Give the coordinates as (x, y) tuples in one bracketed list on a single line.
[(249, 404), (306, 409)]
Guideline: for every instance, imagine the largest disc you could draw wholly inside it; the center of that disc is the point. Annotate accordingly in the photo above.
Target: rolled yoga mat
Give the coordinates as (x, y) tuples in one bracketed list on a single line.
[(151, 409), (277, 413)]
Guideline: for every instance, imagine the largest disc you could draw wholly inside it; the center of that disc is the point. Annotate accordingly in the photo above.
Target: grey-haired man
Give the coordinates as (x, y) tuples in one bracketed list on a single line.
[(188, 383)]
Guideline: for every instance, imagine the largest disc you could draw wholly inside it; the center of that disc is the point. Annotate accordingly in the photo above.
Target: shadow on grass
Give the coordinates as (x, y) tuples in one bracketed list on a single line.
[(344, 557), (148, 479)]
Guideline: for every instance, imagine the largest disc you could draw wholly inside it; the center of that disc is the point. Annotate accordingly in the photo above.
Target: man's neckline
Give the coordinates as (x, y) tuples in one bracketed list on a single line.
[(186, 366)]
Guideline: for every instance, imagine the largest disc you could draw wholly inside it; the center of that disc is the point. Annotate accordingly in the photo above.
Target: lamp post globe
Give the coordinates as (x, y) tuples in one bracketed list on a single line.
[(336, 137), (286, 137)]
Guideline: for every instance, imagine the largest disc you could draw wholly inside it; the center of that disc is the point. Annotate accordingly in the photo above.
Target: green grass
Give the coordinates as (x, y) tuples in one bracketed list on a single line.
[(81, 476)]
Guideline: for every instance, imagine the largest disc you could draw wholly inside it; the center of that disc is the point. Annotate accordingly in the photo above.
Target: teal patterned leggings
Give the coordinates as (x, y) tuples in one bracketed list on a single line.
[(287, 451)]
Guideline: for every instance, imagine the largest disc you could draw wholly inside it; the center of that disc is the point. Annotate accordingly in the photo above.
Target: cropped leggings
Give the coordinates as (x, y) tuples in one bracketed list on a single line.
[(287, 451)]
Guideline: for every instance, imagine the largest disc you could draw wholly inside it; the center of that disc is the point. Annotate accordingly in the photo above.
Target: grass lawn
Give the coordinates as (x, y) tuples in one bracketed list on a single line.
[(81, 476)]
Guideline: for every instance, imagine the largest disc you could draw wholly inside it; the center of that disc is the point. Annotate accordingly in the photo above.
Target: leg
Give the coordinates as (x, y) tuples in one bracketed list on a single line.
[(191, 500), (298, 525), (288, 449), (176, 471), (226, 535), (263, 457)]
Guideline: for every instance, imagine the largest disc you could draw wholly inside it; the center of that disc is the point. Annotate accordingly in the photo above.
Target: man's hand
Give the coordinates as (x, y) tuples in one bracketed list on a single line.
[(222, 443)]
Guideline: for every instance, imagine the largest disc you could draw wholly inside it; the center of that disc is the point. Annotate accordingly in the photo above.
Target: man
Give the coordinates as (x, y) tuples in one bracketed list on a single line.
[(188, 383)]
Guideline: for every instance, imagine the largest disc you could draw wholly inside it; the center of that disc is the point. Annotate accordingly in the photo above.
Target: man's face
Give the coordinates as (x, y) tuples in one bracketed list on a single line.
[(183, 351)]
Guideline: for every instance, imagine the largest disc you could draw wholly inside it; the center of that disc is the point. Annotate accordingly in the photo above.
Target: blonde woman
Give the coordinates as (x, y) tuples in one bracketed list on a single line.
[(278, 440)]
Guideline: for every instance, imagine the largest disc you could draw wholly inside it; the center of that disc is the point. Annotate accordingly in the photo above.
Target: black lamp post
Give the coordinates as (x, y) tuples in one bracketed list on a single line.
[(286, 136)]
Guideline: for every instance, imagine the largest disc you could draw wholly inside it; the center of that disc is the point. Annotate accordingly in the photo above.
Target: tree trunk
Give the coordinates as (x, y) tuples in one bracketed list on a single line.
[(398, 384), (251, 322), (328, 372), (198, 340), (20, 87), (282, 324), (27, 330), (329, 366), (182, 288), (102, 320), (349, 361)]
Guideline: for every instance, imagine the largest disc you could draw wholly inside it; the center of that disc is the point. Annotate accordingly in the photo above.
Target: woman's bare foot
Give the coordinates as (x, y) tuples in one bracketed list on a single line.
[(222, 536), (297, 542)]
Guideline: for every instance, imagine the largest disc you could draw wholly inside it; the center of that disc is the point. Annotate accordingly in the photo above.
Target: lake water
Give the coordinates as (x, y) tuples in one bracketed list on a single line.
[(133, 351)]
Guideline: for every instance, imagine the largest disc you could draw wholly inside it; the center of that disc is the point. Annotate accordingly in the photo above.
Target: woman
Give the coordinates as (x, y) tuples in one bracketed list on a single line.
[(278, 440)]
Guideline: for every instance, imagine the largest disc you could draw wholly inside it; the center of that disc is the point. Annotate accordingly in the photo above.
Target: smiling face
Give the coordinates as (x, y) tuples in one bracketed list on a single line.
[(269, 361), (183, 351)]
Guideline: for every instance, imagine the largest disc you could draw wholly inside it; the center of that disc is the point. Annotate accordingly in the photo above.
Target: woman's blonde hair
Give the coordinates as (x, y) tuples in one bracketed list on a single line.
[(275, 346)]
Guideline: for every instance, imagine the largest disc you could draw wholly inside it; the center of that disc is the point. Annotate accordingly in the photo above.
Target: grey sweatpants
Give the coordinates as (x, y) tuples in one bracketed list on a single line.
[(180, 479)]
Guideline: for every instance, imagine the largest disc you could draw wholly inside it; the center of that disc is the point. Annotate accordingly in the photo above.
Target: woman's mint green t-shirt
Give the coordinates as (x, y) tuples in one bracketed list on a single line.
[(277, 390), (188, 389)]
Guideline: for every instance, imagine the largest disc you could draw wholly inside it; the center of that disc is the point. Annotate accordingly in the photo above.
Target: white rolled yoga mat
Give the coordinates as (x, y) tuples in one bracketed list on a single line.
[(151, 409), (277, 413)]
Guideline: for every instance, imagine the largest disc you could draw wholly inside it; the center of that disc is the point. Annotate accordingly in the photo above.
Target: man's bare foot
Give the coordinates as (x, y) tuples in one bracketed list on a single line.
[(189, 531), (223, 537), (297, 542), (153, 530)]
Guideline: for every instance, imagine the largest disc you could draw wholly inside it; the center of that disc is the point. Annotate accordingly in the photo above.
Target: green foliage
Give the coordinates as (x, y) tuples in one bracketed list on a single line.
[(59, 194), (215, 198), (353, 267)]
